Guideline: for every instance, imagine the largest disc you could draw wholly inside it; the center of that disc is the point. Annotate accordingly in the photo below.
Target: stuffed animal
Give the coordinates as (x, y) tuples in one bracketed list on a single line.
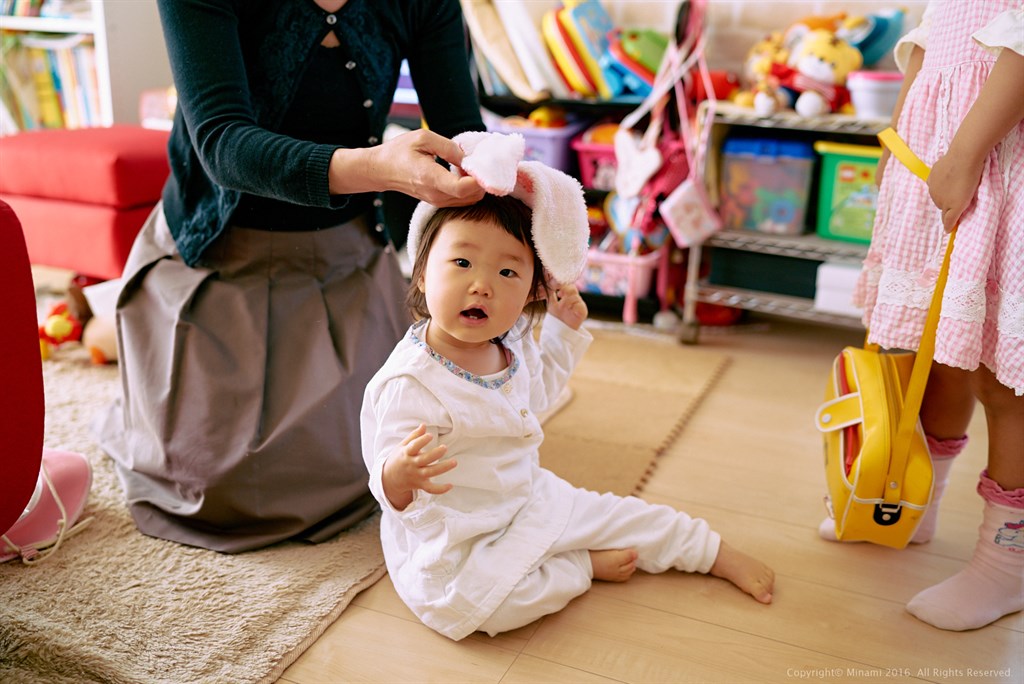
[(60, 326), (100, 338), (795, 34), (814, 82), (758, 67)]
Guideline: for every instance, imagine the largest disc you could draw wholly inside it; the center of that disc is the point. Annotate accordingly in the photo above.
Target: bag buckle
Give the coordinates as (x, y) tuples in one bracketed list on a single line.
[(887, 514)]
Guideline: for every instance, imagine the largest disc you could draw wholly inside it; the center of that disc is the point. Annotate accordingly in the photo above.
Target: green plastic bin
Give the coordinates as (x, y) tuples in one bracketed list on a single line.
[(847, 194)]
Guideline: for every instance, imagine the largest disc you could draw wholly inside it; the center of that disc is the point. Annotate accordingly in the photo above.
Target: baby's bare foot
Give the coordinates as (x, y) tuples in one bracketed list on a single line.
[(749, 574), (613, 565)]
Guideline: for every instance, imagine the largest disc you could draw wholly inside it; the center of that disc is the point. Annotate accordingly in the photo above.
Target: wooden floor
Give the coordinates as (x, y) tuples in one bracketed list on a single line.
[(750, 463)]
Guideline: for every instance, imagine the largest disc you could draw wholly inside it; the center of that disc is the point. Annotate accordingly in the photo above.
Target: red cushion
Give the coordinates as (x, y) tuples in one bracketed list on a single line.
[(21, 401), (120, 166), (90, 239)]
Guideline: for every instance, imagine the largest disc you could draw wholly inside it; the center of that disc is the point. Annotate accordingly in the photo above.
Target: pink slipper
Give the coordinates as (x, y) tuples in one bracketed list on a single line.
[(65, 479)]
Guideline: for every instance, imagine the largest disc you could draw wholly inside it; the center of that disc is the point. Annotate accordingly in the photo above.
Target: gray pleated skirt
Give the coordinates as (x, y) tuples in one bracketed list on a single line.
[(243, 379)]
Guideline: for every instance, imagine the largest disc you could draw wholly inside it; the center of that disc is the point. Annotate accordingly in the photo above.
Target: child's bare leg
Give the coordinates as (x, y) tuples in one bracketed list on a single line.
[(613, 565), (749, 574)]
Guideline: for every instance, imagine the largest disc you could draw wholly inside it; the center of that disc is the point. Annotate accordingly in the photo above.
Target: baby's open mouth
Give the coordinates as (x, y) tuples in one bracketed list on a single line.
[(474, 313)]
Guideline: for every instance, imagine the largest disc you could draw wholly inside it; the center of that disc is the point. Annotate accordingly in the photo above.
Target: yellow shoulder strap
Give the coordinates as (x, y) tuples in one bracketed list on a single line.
[(926, 349)]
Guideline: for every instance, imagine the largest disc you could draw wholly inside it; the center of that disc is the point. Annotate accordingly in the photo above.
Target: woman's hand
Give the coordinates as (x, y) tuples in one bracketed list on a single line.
[(409, 469), (567, 305), (407, 164)]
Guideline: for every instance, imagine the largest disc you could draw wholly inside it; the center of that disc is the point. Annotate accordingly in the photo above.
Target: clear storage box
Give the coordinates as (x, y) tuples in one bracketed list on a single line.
[(765, 184)]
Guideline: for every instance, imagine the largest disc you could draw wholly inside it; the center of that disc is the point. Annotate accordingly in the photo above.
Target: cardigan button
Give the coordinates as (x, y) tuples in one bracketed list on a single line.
[(350, 65), (378, 202), (373, 140), (331, 19), (379, 227), (524, 412), (367, 104)]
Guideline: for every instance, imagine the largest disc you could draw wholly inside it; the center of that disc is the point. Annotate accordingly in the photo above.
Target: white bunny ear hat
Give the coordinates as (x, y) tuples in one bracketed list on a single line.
[(560, 227)]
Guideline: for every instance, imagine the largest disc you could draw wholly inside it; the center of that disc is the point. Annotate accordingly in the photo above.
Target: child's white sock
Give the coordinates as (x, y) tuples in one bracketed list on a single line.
[(992, 584), (942, 451)]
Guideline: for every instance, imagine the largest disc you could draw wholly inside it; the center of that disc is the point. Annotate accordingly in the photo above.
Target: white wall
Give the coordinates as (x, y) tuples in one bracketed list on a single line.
[(137, 54)]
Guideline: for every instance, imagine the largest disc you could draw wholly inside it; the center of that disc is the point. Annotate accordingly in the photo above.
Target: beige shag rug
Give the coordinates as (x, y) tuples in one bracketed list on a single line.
[(115, 606)]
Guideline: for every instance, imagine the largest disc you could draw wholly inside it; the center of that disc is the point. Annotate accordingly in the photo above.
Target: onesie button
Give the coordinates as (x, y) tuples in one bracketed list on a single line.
[(524, 412), (331, 19)]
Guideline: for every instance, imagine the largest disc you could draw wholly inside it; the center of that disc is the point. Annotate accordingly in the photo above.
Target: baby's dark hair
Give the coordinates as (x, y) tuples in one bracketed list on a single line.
[(509, 214)]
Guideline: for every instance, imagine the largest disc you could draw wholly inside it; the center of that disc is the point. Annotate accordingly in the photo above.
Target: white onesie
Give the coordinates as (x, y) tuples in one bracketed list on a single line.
[(508, 544)]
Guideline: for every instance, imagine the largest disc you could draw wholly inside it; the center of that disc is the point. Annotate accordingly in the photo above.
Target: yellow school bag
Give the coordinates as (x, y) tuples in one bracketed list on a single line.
[(877, 465)]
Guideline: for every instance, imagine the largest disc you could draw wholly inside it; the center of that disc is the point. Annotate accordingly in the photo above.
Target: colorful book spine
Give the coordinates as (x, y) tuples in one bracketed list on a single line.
[(588, 24), (50, 115)]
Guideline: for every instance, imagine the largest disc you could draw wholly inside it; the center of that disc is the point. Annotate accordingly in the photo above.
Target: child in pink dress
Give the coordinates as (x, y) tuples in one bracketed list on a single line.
[(961, 110)]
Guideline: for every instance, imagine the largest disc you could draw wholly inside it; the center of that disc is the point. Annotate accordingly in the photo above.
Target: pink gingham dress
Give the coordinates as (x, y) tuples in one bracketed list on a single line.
[(982, 318)]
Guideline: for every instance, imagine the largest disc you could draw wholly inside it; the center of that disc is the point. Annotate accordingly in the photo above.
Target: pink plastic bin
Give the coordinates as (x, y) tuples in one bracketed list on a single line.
[(617, 275), (597, 164), (620, 275)]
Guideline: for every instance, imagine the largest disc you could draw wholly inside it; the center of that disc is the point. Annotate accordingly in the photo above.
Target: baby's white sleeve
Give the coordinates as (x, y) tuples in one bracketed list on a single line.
[(1005, 31), (388, 416), (917, 36)]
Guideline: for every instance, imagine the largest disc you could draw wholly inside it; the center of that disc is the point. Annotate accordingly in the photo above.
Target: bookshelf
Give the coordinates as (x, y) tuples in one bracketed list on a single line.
[(113, 49)]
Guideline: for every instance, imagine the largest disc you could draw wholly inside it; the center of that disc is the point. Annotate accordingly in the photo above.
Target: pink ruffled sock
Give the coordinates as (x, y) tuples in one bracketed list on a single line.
[(992, 584), (942, 451)]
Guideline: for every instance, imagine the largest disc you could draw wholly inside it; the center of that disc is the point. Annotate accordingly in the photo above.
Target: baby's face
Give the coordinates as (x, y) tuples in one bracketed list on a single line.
[(476, 281)]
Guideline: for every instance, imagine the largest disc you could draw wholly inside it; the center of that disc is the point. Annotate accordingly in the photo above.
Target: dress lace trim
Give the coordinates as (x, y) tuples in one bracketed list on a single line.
[(962, 300), (490, 382)]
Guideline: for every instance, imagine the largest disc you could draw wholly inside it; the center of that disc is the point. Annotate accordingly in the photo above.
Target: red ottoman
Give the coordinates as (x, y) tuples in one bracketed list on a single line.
[(83, 194)]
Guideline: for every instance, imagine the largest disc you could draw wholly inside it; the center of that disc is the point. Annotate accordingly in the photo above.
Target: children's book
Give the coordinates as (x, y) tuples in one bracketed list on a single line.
[(50, 115), (523, 33), (490, 40), (566, 58), (588, 24)]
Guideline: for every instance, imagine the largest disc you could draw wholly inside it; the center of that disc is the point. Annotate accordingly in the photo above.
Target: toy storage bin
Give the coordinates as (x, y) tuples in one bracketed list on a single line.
[(620, 275), (597, 163), (616, 275), (847, 195), (765, 184), (547, 145)]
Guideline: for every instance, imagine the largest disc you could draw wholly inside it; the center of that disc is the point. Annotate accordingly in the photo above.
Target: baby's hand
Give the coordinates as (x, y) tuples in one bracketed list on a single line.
[(409, 469), (567, 305)]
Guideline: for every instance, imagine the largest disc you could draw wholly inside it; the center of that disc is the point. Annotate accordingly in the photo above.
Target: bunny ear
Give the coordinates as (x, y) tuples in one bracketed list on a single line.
[(420, 215), (560, 227), (492, 159)]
